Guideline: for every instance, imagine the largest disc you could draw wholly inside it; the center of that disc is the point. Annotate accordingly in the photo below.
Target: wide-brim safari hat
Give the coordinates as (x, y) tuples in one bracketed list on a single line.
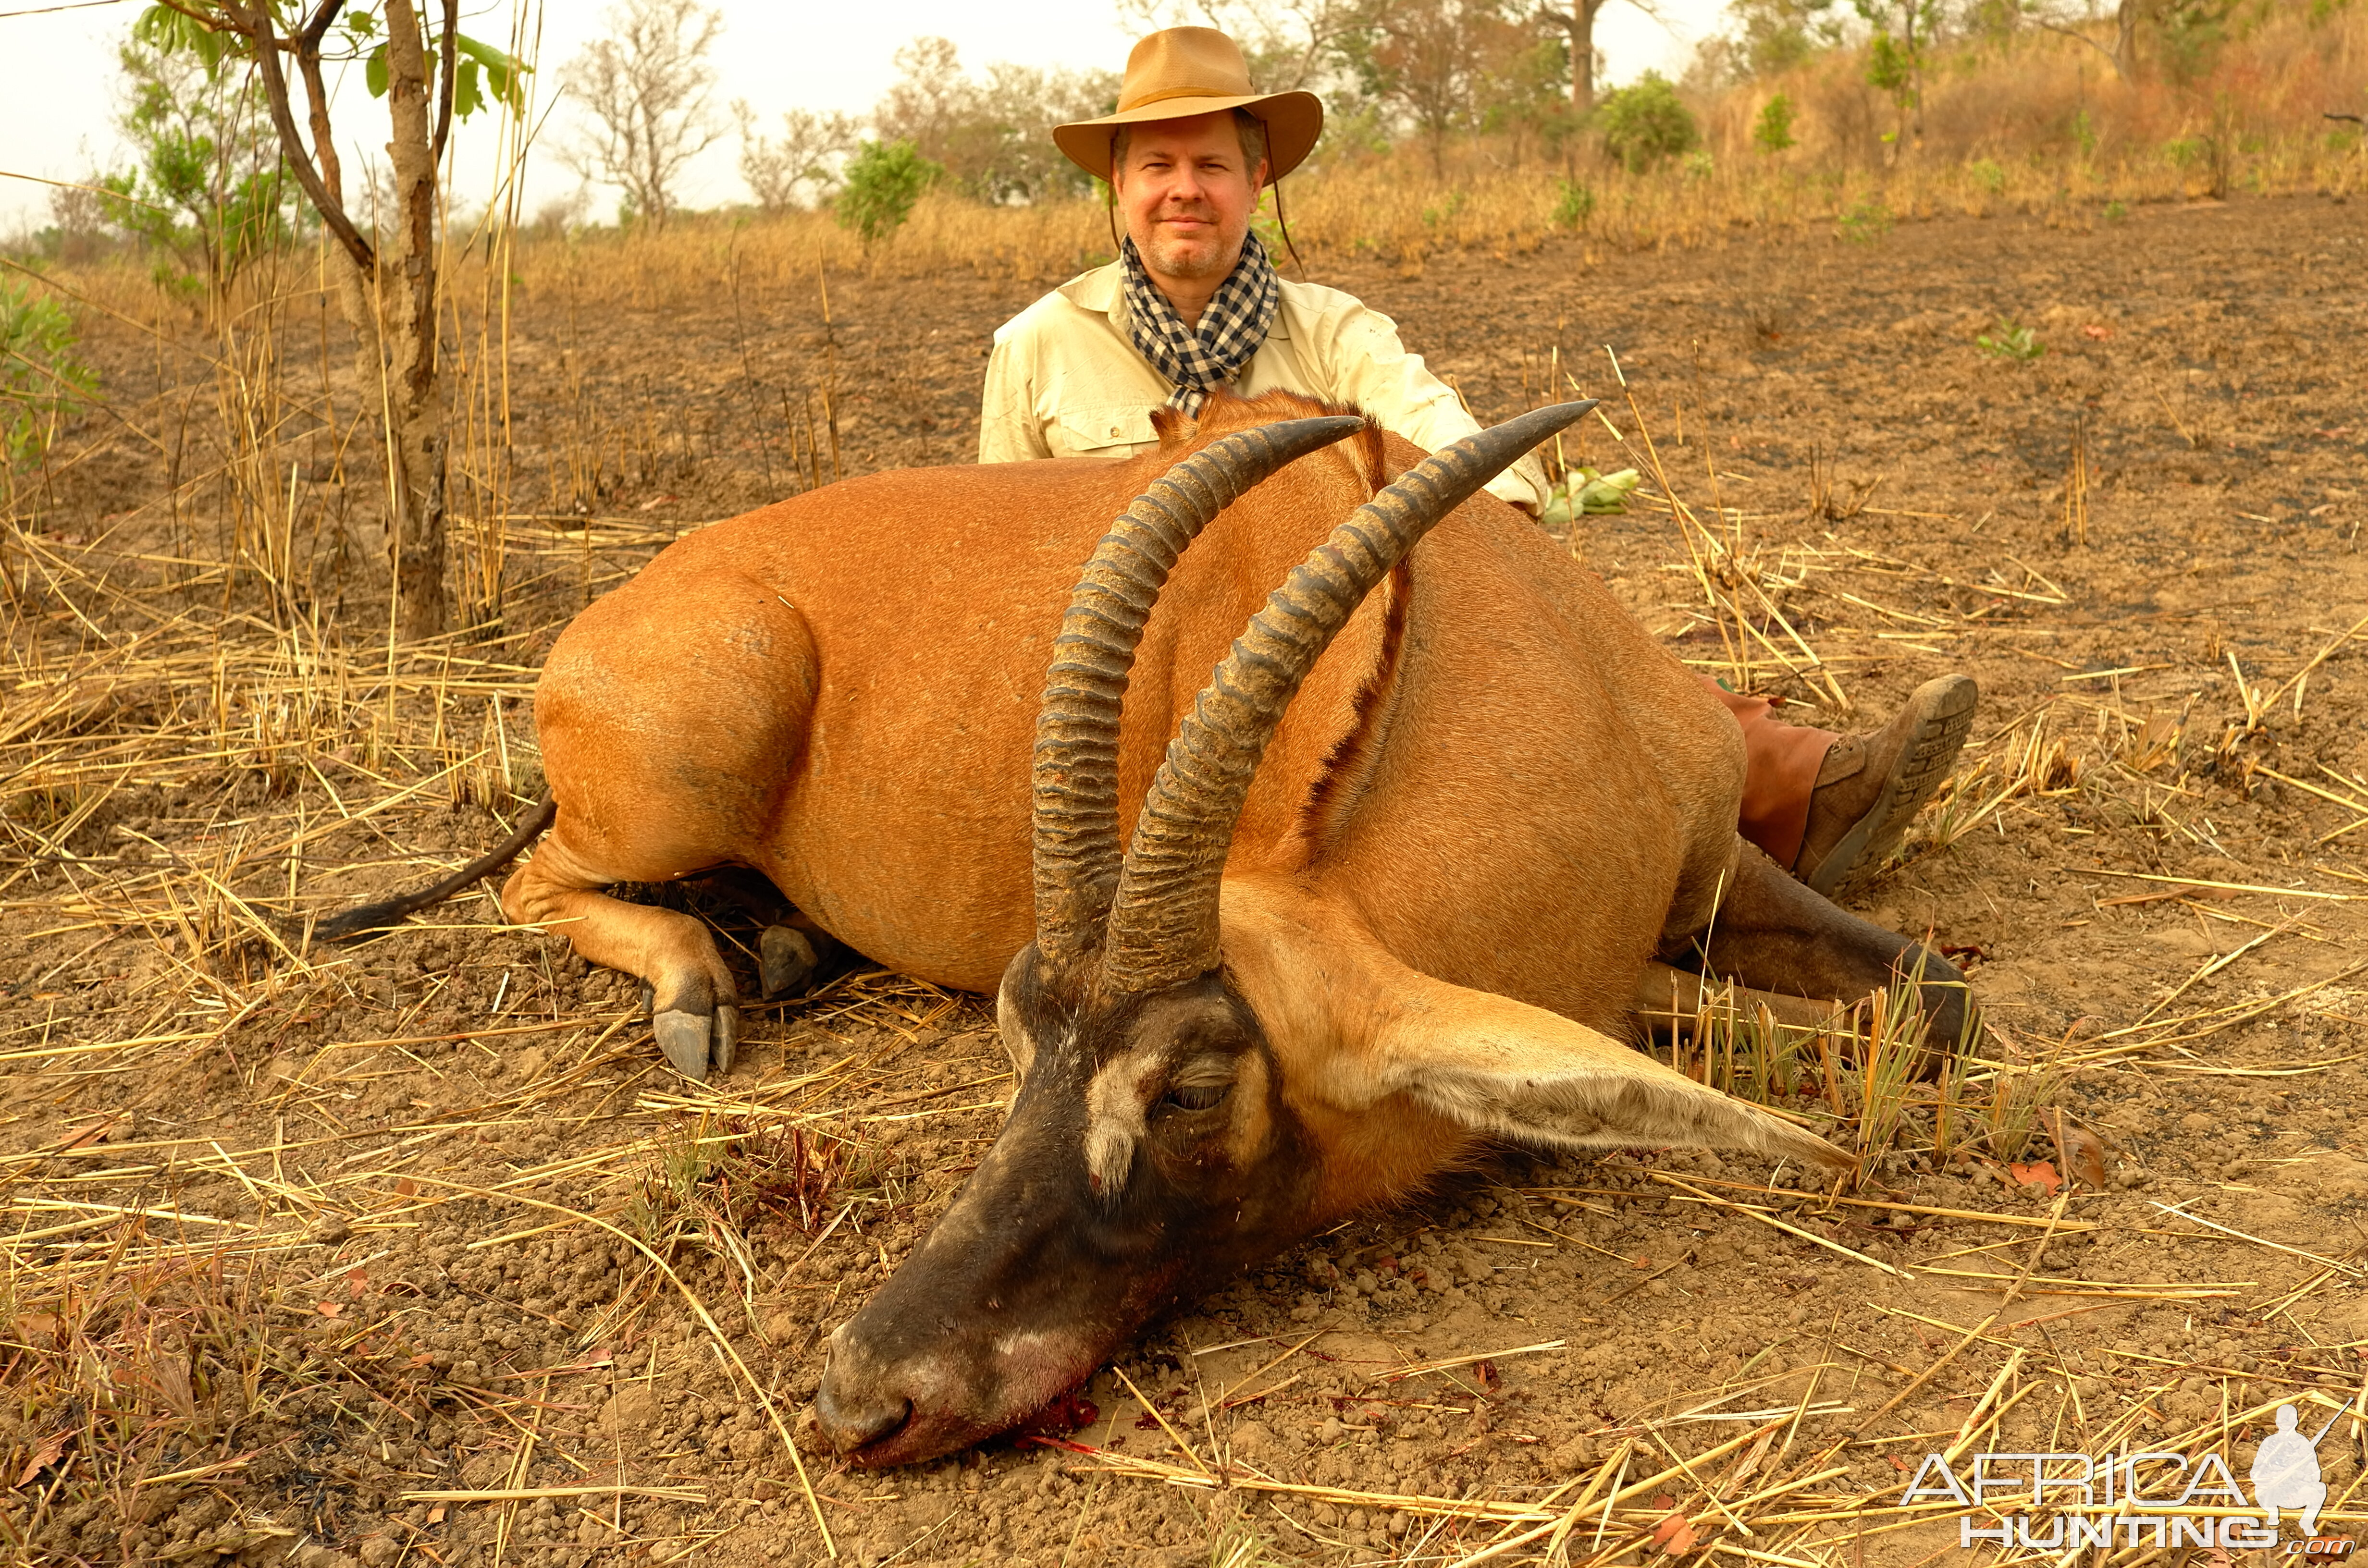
[(1181, 71)]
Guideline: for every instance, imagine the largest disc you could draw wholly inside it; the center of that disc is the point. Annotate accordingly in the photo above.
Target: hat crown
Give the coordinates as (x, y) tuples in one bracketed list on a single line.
[(1178, 72), (1183, 63)]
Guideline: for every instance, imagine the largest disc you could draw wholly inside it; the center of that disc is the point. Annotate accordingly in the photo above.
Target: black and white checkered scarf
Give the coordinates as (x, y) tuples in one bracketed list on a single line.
[(1234, 324)]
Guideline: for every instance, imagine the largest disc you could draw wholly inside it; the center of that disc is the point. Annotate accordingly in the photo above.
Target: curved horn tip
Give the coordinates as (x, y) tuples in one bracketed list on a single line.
[(1300, 437), (1553, 417)]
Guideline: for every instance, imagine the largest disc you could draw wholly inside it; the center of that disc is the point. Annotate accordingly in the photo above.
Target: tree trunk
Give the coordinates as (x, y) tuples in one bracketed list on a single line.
[(1579, 23), (406, 298), (351, 281), (387, 294), (2125, 39)]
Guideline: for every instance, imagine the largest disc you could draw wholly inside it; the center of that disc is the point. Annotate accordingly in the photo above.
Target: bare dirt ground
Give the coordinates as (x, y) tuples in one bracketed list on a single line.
[(329, 1257)]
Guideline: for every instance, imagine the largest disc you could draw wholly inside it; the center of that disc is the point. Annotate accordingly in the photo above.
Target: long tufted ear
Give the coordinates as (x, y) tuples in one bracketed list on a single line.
[(1365, 1027), (1504, 1067)]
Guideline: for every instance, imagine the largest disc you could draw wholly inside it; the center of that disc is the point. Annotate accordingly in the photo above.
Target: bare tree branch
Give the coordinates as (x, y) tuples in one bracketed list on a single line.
[(317, 97), (2084, 38), (254, 23), (646, 89), (447, 63)]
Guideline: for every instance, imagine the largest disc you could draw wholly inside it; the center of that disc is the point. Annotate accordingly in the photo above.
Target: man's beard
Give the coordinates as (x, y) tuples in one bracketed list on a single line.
[(1198, 260)]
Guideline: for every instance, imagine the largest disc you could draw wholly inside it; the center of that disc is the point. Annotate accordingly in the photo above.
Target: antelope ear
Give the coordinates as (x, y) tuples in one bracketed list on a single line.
[(1364, 1027), (1517, 1071)]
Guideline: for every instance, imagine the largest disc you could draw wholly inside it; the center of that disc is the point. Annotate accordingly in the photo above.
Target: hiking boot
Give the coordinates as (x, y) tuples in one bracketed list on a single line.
[(1871, 786)]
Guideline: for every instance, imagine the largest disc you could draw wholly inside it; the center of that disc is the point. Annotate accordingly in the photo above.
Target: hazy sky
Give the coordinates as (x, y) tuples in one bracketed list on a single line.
[(56, 115)]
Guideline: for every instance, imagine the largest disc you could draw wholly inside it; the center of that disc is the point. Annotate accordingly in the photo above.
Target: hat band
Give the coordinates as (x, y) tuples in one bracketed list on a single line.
[(1128, 106)]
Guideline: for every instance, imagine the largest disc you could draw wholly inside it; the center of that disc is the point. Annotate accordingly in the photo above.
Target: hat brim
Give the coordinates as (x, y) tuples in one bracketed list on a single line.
[(1293, 122)]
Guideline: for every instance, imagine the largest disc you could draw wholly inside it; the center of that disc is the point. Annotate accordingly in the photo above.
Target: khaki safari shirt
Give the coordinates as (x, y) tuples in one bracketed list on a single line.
[(1065, 381)]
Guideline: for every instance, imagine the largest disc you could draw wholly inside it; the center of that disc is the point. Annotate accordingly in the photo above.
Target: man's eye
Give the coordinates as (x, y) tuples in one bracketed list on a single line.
[(1196, 1097)]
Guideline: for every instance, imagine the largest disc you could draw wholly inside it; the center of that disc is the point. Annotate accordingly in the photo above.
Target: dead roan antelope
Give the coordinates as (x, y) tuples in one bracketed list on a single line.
[(1395, 888)]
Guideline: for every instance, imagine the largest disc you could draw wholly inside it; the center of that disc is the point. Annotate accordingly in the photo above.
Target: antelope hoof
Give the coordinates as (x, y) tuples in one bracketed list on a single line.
[(786, 960), (683, 1036), (725, 1046)]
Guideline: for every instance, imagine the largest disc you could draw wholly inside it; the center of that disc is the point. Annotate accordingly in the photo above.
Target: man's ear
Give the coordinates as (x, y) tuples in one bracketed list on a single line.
[(1362, 1027)]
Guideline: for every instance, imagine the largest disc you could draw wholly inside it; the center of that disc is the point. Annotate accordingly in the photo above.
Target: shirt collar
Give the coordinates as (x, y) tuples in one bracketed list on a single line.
[(1099, 291)]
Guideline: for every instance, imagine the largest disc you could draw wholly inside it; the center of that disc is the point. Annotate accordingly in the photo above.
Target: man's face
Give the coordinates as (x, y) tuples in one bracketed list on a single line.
[(1187, 196)]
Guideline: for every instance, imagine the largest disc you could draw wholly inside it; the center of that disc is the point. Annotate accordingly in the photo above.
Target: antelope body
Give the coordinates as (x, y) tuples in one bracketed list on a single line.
[(1393, 891)]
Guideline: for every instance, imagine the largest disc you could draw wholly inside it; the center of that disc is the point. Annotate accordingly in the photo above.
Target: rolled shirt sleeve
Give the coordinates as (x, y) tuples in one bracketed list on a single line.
[(1368, 365)]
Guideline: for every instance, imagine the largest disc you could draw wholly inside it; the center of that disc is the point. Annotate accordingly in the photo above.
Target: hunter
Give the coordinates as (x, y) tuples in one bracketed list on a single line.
[(1193, 302)]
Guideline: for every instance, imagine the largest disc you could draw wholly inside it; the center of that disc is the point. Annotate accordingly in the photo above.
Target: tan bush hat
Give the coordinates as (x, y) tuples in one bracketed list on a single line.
[(1181, 71)]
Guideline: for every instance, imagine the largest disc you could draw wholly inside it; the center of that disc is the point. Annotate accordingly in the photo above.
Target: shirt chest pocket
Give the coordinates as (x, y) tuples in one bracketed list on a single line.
[(1111, 430)]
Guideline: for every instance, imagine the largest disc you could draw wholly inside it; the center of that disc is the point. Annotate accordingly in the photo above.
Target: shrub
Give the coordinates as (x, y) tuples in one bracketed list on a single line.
[(1989, 175), (2007, 341), (882, 183), (1772, 131), (42, 379), (1574, 203), (209, 192), (1865, 221), (1646, 124)]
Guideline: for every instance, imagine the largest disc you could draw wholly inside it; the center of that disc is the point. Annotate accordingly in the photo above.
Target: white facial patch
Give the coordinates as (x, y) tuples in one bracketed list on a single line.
[(1114, 1118)]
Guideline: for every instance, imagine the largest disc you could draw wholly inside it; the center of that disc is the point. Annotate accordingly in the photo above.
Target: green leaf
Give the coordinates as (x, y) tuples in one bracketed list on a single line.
[(361, 24), (466, 100), (374, 71), (169, 31), (501, 73), (482, 52)]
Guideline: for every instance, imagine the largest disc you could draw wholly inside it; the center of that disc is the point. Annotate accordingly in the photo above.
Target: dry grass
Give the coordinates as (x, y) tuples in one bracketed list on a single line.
[(2042, 129)]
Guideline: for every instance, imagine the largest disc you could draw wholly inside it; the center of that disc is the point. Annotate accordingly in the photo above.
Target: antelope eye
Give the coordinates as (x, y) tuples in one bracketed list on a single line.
[(1196, 1097)]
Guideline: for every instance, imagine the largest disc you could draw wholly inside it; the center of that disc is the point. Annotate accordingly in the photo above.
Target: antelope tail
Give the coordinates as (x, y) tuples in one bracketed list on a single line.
[(372, 916)]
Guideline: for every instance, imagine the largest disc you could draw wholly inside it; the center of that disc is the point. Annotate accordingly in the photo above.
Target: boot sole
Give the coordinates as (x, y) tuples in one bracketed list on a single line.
[(1944, 717)]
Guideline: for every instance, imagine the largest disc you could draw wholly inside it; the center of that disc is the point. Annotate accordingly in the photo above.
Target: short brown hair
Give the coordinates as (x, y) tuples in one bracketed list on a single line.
[(1248, 126)]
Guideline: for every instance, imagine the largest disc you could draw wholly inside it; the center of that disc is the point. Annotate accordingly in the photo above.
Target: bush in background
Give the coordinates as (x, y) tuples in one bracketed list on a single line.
[(209, 192), (42, 379), (1772, 131), (1646, 125), (882, 184)]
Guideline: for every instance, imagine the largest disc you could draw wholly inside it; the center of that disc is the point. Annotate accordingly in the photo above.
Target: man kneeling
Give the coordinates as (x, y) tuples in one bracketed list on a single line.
[(1193, 303)]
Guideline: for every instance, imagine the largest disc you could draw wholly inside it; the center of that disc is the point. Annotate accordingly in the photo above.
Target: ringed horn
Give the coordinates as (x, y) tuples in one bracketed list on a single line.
[(1074, 773), (1163, 923)]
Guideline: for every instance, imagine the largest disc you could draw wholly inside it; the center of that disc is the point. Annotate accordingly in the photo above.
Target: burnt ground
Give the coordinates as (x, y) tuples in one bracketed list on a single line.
[(302, 1240)]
